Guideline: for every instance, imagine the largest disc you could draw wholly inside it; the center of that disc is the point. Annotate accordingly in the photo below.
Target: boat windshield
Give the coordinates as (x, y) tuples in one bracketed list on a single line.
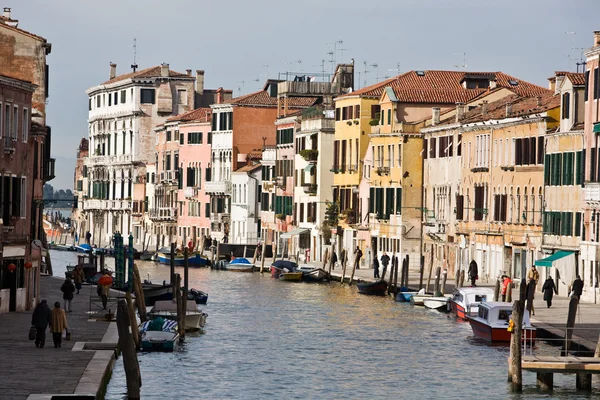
[(504, 315), (458, 297), (483, 313), (480, 298)]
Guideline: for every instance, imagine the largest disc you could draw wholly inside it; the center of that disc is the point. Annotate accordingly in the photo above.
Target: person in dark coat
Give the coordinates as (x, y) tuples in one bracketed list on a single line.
[(577, 287), (334, 259), (357, 256), (549, 288), (385, 261), (68, 289), (375, 268), (473, 272), (40, 321)]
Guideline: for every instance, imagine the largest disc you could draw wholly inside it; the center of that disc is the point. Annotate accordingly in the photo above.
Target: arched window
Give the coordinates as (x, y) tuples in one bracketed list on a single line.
[(518, 213), (525, 209), (532, 219), (541, 202), (511, 208)]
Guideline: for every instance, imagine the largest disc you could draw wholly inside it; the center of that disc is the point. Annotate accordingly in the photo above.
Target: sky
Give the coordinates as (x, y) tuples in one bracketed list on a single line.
[(239, 43)]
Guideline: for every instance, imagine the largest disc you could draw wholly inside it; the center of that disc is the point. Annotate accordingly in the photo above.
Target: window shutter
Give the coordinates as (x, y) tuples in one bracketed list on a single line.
[(577, 224), (579, 164), (379, 202), (389, 202), (547, 166), (398, 200), (371, 200)]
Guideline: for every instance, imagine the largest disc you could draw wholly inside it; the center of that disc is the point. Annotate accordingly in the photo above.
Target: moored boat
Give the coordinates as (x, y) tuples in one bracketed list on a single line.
[(417, 299), (293, 276), (404, 295), (194, 259), (492, 321), (240, 264), (198, 296), (311, 273), (440, 303), (84, 248), (156, 292), (167, 309), (372, 288), (465, 301), (278, 266), (159, 335)]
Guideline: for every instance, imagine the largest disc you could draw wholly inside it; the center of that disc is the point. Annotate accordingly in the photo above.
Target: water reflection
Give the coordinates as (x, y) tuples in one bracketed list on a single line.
[(271, 339)]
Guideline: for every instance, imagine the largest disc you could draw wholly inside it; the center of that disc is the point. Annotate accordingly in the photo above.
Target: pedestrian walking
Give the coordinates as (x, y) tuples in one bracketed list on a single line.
[(375, 268), (88, 237), (549, 288), (473, 272), (40, 321), (532, 278), (104, 291), (385, 260), (577, 287), (505, 283), (58, 324), (78, 277), (357, 256), (68, 289), (259, 251), (334, 259)]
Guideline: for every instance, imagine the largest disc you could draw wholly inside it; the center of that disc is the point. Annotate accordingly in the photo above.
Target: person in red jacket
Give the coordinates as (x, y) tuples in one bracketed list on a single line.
[(505, 282)]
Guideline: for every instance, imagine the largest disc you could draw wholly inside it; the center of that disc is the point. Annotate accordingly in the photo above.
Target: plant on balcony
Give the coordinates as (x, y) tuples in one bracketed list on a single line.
[(375, 120), (348, 123), (280, 217), (97, 152), (356, 122), (335, 169), (309, 154)]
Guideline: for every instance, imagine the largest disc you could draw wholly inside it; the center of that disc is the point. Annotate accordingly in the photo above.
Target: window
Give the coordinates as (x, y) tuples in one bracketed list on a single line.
[(566, 102), (337, 114), (194, 137), (207, 210), (23, 201), (460, 207), (182, 96), (98, 101), (168, 136), (123, 96), (479, 202), (116, 98), (596, 83), (15, 122), (147, 96), (482, 151), (109, 100), (209, 138), (25, 124), (389, 116), (357, 111), (90, 104)]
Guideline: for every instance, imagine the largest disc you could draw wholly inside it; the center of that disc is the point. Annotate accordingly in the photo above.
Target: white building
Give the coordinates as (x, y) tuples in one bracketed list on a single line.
[(123, 112), (267, 203), (245, 204)]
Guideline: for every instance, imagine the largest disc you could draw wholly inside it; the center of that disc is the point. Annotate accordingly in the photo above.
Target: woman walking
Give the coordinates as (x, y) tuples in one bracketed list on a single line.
[(78, 277), (58, 324), (549, 289)]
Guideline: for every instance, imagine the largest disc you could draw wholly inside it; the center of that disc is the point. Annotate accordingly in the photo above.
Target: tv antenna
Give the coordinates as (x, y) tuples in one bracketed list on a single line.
[(134, 66), (397, 70), (376, 66), (334, 53), (572, 57), (240, 87), (464, 64), (366, 73)]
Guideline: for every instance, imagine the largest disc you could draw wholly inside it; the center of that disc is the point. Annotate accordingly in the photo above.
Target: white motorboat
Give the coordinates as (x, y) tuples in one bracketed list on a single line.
[(195, 319), (310, 273), (417, 299), (465, 301), (439, 303)]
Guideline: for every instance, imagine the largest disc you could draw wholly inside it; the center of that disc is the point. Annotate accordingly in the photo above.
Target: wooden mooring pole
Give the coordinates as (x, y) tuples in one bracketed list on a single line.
[(354, 266), (573, 303), (325, 259), (421, 270), (516, 374), (179, 302), (331, 261), (497, 290), (135, 332), (436, 285), (444, 277), (429, 276), (186, 283), (343, 259), (140, 301), (127, 346), (172, 262), (262, 257)]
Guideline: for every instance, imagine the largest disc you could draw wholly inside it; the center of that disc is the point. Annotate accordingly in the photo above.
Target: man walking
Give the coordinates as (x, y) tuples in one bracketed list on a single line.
[(473, 272), (577, 287), (40, 321), (385, 261), (88, 237), (375, 267), (357, 257)]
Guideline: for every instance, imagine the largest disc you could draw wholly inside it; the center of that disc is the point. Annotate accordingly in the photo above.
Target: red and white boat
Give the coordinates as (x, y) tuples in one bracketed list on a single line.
[(491, 323), (465, 301)]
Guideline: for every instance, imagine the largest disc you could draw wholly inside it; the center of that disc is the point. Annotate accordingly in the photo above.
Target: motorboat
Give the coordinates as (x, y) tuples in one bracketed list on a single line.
[(377, 288), (294, 276), (440, 303), (417, 299), (167, 309), (492, 321), (465, 301), (240, 264), (310, 273), (84, 248), (404, 295), (154, 292), (278, 266), (194, 258), (198, 296), (159, 335)]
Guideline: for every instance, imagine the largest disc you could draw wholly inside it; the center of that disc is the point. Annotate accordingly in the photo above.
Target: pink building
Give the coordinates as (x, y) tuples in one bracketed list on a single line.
[(194, 159)]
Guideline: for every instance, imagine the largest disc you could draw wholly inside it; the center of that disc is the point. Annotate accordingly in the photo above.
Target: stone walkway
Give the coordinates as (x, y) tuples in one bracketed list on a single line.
[(29, 370)]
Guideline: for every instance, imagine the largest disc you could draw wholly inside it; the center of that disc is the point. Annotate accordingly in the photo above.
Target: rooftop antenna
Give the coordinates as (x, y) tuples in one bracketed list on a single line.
[(342, 54), (335, 43), (397, 70), (464, 64), (376, 66), (134, 66), (366, 73), (332, 61), (300, 64), (240, 87), (266, 74), (572, 57)]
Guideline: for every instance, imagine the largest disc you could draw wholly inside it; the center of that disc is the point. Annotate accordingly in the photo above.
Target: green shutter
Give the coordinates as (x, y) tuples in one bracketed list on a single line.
[(379, 202), (577, 224), (547, 166), (389, 202), (578, 162), (399, 201), (371, 200)]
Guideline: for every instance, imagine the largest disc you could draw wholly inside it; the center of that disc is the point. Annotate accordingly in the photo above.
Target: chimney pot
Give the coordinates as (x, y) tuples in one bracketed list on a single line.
[(199, 82), (460, 111), (6, 13), (113, 70), (435, 115), (596, 37), (508, 109), (188, 72), (539, 101), (164, 70), (484, 108)]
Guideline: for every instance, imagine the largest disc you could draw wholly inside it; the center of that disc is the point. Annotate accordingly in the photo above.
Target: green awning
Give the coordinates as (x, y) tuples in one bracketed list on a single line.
[(597, 127), (547, 262), (309, 168)]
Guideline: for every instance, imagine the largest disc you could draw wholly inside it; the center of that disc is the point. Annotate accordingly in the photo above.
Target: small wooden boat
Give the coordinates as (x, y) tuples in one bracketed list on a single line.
[(372, 288), (198, 296), (404, 296), (278, 266), (146, 256), (311, 273), (240, 264), (465, 301), (292, 276), (84, 248), (417, 299), (194, 259), (167, 309), (159, 335), (156, 292), (62, 247), (491, 323), (439, 303)]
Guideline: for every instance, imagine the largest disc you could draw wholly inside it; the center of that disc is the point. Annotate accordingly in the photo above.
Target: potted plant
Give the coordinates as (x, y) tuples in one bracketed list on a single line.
[(356, 122), (348, 123)]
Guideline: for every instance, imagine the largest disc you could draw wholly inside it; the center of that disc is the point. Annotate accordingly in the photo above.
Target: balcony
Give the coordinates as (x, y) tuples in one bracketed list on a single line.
[(220, 218), (280, 181), (592, 191), (309, 155), (167, 178), (190, 191), (108, 205), (100, 159), (49, 169), (352, 168), (267, 186), (9, 145), (163, 214), (218, 187), (382, 171), (310, 188)]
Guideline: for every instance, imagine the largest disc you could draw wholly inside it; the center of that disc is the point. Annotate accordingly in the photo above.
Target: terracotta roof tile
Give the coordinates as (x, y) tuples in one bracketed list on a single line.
[(521, 106), (248, 167), (197, 115), (262, 98), (576, 78), (375, 90), (152, 72)]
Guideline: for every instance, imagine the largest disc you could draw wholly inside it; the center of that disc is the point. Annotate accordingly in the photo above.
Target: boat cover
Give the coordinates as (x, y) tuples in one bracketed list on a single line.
[(281, 264), (240, 260), (159, 324)]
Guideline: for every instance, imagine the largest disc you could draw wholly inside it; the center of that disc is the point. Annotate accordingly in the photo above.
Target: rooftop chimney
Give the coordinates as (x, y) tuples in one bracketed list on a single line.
[(6, 13), (484, 108), (460, 111), (596, 34), (552, 83), (164, 70), (188, 72), (539, 101), (219, 95), (435, 115), (508, 109), (113, 71), (200, 81)]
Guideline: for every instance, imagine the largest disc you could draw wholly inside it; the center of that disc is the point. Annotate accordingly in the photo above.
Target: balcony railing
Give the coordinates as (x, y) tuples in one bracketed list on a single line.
[(382, 170), (112, 159), (9, 145), (49, 169), (220, 218), (163, 214), (190, 191), (167, 177), (310, 188), (100, 204), (309, 155), (218, 187), (592, 191)]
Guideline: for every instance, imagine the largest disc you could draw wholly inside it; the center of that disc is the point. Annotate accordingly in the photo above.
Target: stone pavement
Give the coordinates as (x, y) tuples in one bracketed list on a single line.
[(29, 370)]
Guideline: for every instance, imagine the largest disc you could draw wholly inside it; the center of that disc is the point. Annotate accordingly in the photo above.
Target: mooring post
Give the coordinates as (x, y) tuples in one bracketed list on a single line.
[(429, 277), (583, 382), (406, 272), (436, 285), (545, 381), (140, 301), (218, 252), (444, 277), (255, 255), (262, 257), (354, 265), (135, 332), (325, 258), (573, 303), (497, 290), (515, 347), (462, 277), (244, 252), (186, 283), (344, 260), (421, 270), (331, 261), (172, 261), (130, 360), (509, 292), (178, 302)]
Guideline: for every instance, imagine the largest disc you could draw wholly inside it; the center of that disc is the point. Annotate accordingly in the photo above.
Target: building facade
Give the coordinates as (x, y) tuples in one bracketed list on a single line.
[(246, 194)]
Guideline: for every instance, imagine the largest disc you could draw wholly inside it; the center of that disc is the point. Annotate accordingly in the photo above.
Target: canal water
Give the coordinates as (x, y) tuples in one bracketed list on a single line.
[(282, 340)]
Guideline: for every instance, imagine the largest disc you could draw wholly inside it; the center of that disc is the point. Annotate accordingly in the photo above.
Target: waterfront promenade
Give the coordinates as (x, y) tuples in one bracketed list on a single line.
[(28, 372)]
